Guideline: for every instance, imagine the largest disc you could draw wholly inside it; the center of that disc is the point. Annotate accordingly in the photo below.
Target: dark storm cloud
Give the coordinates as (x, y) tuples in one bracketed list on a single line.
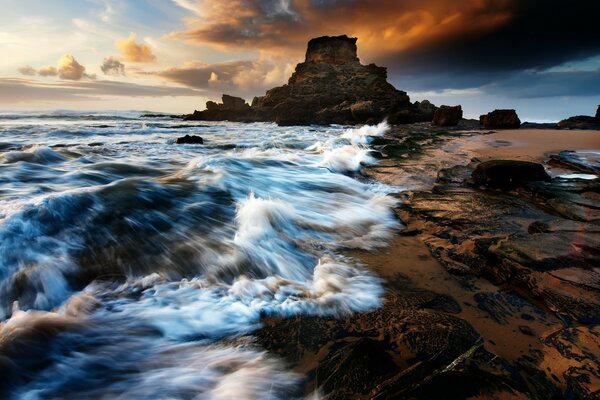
[(539, 34), (426, 44)]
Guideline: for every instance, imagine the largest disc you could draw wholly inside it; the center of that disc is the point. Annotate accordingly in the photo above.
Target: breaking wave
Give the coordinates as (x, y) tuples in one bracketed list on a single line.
[(133, 267)]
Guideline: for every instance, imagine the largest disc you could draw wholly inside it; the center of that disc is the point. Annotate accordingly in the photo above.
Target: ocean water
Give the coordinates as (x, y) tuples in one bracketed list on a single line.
[(133, 267)]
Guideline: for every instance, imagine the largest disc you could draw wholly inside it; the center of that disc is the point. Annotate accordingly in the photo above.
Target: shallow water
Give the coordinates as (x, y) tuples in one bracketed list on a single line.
[(132, 267)]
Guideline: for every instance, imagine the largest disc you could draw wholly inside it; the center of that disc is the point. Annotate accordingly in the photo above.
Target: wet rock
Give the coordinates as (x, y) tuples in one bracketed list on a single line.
[(190, 139), (523, 237), (330, 87), (508, 173), (447, 116), (352, 369), (500, 119), (385, 352), (587, 162)]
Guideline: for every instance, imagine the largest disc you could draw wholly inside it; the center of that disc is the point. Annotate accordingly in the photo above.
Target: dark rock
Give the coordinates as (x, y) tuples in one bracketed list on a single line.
[(187, 139), (598, 113), (330, 87), (508, 173), (160, 116), (585, 162), (353, 368), (383, 353), (233, 103), (447, 116), (580, 122), (500, 119), (332, 50)]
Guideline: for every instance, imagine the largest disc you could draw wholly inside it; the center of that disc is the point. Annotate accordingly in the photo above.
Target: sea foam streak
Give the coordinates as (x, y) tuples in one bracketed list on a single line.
[(138, 257)]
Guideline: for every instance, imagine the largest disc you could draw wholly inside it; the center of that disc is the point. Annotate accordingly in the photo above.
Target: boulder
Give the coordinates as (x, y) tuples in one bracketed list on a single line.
[(447, 115), (508, 173), (190, 139), (500, 119)]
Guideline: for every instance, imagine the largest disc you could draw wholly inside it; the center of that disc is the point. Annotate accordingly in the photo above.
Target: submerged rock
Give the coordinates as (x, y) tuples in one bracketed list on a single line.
[(330, 86), (508, 173), (190, 139), (500, 119), (447, 116)]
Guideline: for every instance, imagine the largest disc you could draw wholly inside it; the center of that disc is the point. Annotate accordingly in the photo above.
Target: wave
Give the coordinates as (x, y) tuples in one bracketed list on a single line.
[(137, 268), (50, 355), (34, 154)]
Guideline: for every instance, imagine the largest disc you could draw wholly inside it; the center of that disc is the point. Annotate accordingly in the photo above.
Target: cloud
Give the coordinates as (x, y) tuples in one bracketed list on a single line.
[(112, 66), (70, 69), (242, 78), (135, 52), (14, 91), (26, 70), (48, 71), (408, 35)]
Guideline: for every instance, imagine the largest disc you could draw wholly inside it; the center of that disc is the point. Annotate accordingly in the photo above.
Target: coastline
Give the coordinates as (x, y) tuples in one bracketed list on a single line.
[(517, 330)]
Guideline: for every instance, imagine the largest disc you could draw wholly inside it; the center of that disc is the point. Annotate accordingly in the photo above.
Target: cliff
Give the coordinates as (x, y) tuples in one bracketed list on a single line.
[(330, 87)]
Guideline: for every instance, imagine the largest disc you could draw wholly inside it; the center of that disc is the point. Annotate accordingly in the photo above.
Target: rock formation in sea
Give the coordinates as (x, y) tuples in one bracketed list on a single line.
[(330, 87), (447, 116), (189, 139), (582, 121), (500, 119)]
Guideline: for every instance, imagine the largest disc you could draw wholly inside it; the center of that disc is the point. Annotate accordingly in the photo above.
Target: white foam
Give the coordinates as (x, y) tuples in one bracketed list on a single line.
[(362, 135), (346, 159), (201, 308), (578, 176)]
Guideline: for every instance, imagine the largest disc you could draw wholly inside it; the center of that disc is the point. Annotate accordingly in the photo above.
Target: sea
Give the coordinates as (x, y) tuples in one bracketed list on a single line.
[(133, 267)]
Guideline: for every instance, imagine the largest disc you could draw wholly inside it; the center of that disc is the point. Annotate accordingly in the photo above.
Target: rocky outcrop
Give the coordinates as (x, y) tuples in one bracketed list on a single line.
[(539, 243), (500, 119), (231, 108), (508, 173), (189, 139), (447, 116), (582, 121), (330, 86)]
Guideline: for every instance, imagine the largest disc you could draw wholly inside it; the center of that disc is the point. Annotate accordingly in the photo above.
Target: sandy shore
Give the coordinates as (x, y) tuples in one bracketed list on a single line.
[(408, 256), (531, 144)]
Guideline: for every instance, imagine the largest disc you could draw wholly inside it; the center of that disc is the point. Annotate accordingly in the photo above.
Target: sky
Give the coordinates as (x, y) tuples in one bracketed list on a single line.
[(541, 57)]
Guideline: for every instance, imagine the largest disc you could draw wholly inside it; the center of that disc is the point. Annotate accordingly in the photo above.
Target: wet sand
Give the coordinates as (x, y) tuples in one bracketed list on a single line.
[(409, 256), (530, 144)]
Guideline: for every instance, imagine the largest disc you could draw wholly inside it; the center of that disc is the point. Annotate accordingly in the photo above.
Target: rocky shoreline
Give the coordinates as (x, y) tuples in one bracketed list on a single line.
[(492, 290)]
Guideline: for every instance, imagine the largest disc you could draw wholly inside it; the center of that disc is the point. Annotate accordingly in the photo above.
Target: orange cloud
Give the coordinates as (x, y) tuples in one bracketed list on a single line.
[(69, 68), (135, 52), (383, 27)]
